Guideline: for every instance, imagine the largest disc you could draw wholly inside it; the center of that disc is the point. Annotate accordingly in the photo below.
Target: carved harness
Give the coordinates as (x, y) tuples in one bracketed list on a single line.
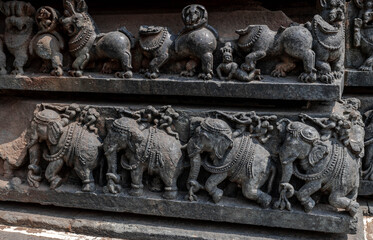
[(71, 146), (153, 42), (253, 39), (334, 171), (241, 163), (81, 39), (320, 26)]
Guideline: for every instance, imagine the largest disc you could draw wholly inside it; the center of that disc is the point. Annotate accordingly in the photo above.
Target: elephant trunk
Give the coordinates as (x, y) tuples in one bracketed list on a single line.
[(195, 165)]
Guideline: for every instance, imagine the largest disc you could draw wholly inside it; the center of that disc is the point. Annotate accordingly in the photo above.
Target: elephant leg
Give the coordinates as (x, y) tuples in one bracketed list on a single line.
[(304, 194), (170, 188), (337, 199), (137, 188), (251, 190), (112, 177), (51, 173), (85, 174), (211, 186), (125, 61)]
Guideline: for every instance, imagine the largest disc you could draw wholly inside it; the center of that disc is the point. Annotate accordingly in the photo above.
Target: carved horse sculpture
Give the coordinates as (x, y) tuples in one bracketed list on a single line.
[(150, 149), (70, 144), (86, 44), (242, 159)]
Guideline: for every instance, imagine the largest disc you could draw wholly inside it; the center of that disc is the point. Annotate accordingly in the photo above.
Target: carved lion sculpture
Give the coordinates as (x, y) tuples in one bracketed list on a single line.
[(86, 44), (19, 24), (328, 40), (48, 42), (196, 42), (292, 43)]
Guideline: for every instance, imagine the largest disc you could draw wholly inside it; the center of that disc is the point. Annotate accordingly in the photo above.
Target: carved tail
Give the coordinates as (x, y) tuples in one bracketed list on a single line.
[(272, 178)]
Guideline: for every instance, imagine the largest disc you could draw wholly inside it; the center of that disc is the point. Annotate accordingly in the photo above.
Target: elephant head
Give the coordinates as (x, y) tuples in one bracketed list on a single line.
[(46, 126), (213, 136), (302, 142)]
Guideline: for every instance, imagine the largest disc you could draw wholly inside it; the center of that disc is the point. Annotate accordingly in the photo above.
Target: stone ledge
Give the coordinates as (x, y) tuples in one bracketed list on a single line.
[(356, 78), (270, 88), (322, 219)]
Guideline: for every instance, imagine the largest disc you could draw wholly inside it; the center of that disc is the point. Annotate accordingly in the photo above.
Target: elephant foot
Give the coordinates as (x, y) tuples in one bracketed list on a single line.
[(89, 187), (136, 192), (169, 195), (57, 72), (56, 183), (77, 73), (125, 75), (151, 75), (265, 200), (3, 71), (353, 208), (309, 205), (217, 195), (18, 71)]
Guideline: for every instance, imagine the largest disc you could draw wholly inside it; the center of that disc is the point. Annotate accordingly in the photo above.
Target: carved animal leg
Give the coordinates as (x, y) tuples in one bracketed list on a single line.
[(325, 74), (136, 185), (251, 190), (207, 61), (51, 173), (57, 61), (368, 65), (79, 64), (125, 61), (85, 174), (337, 68), (304, 194), (281, 69), (211, 186), (309, 74), (338, 200), (251, 59), (170, 184), (190, 68), (20, 61), (155, 64), (111, 175)]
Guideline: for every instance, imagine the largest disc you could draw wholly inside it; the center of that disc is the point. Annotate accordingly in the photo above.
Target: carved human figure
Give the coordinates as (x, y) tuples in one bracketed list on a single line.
[(19, 25), (86, 45), (363, 32), (229, 70), (150, 149), (328, 166), (48, 42), (329, 40), (88, 118), (290, 44), (242, 160), (66, 144)]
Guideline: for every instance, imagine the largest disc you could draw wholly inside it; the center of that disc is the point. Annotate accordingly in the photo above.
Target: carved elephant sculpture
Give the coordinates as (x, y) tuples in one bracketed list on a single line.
[(242, 159), (326, 165), (69, 144), (150, 149)]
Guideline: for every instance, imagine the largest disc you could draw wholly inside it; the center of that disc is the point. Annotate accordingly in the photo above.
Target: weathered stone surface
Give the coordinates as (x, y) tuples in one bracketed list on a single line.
[(270, 88), (356, 78), (322, 219)]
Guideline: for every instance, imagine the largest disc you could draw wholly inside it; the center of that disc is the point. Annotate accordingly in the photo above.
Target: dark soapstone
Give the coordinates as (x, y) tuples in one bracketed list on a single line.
[(322, 219), (288, 88)]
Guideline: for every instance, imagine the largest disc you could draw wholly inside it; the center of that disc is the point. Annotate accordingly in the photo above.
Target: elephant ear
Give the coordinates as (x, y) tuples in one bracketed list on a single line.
[(54, 132), (222, 146), (318, 152)]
